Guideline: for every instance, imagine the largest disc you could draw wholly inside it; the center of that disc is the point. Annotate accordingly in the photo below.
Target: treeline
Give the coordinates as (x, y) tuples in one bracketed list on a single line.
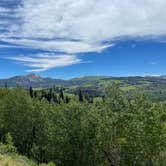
[(117, 132), (57, 96)]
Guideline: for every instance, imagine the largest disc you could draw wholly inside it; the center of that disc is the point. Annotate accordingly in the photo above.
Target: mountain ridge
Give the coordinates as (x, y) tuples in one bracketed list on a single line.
[(35, 80), (30, 80)]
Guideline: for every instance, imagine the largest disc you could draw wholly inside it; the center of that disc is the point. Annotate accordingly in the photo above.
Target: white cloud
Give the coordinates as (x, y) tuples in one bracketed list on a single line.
[(42, 62), (80, 26), (69, 47), (94, 20), (152, 75)]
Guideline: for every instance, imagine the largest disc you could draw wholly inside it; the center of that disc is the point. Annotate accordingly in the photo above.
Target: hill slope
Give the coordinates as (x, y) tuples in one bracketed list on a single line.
[(38, 81), (155, 87)]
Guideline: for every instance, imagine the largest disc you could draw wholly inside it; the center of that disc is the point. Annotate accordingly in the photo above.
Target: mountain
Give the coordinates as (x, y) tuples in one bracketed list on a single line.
[(31, 80), (38, 81)]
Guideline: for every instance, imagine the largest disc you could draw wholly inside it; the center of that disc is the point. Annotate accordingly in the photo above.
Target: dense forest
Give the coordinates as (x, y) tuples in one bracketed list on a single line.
[(79, 130)]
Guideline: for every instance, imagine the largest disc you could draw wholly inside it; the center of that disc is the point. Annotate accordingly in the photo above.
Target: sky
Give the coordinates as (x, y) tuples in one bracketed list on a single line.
[(74, 38)]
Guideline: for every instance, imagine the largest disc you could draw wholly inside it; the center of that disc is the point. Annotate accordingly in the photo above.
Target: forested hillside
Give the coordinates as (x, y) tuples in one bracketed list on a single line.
[(76, 130), (153, 86)]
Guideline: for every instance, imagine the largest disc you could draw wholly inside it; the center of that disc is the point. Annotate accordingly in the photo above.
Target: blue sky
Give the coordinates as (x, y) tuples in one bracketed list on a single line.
[(71, 38)]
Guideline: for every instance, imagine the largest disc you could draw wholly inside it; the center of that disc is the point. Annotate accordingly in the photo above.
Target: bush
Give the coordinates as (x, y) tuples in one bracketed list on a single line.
[(5, 149)]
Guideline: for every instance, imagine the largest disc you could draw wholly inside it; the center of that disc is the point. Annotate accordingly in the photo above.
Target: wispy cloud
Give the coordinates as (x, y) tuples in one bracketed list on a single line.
[(73, 27), (42, 62), (153, 63), (69, 47)]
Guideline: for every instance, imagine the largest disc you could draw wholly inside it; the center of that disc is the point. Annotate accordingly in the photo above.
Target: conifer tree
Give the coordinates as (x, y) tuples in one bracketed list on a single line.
[(81, 98), (67, 99), (31, 92), (61, 95)]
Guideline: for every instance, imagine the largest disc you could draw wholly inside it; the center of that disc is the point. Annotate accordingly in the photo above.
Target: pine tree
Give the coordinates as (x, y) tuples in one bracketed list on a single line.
[(103, 99), (67, 99), (31, 92), (61, 95), (35, 94), (81, 98)]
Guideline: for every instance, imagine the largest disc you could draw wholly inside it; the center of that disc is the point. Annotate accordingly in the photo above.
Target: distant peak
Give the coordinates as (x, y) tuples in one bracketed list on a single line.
[(33, 76)]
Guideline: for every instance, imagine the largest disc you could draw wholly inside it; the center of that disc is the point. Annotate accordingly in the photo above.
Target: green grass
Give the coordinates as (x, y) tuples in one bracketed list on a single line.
[(9, 157), (18, 160), (128, 88), (15, 160)]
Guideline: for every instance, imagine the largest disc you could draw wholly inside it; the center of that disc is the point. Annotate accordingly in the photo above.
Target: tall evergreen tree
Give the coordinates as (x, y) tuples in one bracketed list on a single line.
[(81, 98), (61, 94), (49, 95), (35, 94), (31, 92), (67, 99)]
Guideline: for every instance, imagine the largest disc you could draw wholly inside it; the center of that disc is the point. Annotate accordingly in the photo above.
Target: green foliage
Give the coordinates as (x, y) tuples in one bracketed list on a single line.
[(9, 157), (116, 131), (8, 139), (5, 149)]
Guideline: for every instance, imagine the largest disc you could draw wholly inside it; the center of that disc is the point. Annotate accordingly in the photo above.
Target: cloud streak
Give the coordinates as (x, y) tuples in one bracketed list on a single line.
[(42, 62), (69, 47), (71, 27)]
